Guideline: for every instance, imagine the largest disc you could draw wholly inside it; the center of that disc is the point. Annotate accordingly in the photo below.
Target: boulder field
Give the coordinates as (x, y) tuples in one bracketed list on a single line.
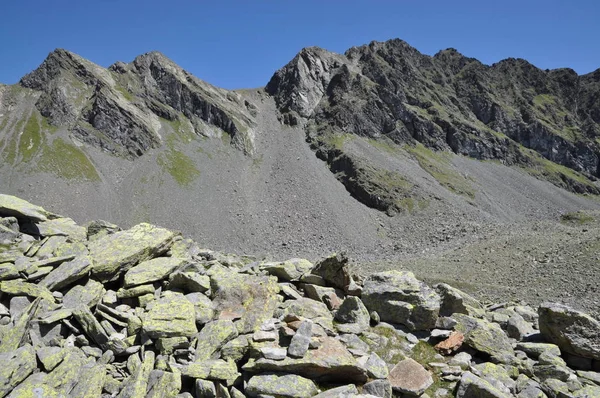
[(96, 311)]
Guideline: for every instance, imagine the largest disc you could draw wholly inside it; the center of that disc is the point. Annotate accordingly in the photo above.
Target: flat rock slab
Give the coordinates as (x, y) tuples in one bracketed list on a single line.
[(170, 316), (410, 377), (16, 366), (117, 253), (330, 362), (67, 273), (284, 386), (11, 206), (151, 271), (572, 331), (472, 386)]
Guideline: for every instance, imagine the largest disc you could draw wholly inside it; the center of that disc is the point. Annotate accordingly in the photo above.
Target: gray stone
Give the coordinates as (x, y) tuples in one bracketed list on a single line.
[(334, 270), (410, 377), (190, 282), (205, 389), (398, 297), (170, 316), (16, 366), (518, 328), (339, 392), (213, 336), (203, 307), (301, 340), (352, 312), (254, 298), (483, 336), (376, 367), (378, 388), (471, 386), (11, 206), (290, 270), (283, 386), (116, 253), (534, 350), (67, 273), (150, 271), (274, 353), (456, 301), (573, 331)]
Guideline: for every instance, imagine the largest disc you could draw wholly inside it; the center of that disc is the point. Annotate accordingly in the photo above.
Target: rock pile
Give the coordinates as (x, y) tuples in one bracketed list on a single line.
[(97, 311)]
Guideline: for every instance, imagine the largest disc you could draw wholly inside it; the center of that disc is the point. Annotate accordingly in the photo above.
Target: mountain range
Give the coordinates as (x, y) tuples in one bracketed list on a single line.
[(383, 151)]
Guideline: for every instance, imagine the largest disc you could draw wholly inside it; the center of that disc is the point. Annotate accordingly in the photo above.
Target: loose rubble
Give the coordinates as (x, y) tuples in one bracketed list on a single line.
[(95, 311)]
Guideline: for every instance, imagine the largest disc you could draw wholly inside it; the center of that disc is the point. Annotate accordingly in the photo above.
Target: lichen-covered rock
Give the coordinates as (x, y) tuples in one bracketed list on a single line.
[(213, 336), (334, 270), (330, 362), (348, 390), (11, 206), (89, 294), (137, 385), (378, 388), (16, 366), (471, 386), (398, 297), (301, 340), (170, 316), (290, 270), (410, 377), (254, 298), (115, 254), (284, 386), (67, 273), (60, 382), (352, 316), (573, 331), (150, 271), (163, 384), (457, 301), (310, 309), (483, 336)]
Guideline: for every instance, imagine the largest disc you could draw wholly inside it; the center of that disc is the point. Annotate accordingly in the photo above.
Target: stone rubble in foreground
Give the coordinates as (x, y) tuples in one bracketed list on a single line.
[(91, 311)]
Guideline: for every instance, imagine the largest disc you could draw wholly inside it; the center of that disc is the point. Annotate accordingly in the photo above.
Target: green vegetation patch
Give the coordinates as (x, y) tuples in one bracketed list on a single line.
[(578, 217), (128, 96), (180, 166), (438, 165), (31, 139), (67, 161)]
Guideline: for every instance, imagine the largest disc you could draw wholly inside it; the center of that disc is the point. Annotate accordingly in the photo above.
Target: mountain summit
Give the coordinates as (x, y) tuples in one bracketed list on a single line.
[(318, 158)]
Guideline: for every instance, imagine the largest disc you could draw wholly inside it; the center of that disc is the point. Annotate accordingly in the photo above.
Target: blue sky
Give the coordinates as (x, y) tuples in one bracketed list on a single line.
[(239, 44)]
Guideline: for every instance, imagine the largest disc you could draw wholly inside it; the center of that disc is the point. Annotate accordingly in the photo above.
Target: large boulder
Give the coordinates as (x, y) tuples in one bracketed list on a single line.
[(280, 385), (170, 316), (457, 301), (352, 316), (11, 206), (471, 386), (330, 362), (151, 271), (398, 297), (410, 377), (573, 331), (16, 366), (252, 298), (115, 254), (484, 336)]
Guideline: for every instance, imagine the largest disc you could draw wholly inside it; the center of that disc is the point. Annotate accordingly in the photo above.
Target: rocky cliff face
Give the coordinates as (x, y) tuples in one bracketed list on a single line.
[(119, 109), (510, 111)]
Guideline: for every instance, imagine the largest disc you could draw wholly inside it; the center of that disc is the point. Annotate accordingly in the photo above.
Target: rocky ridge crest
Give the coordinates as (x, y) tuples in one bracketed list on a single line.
[(99, 311)]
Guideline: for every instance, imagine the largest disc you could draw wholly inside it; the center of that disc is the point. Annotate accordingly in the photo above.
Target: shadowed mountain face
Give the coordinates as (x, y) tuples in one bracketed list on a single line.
[(311, 162)]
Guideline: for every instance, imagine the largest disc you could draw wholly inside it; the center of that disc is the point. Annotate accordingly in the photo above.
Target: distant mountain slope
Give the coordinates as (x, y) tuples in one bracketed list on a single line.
[(544, 121), (308, 163)]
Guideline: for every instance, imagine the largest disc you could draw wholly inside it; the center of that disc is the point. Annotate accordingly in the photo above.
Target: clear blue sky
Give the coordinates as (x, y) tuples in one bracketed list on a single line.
[(239, 44)]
